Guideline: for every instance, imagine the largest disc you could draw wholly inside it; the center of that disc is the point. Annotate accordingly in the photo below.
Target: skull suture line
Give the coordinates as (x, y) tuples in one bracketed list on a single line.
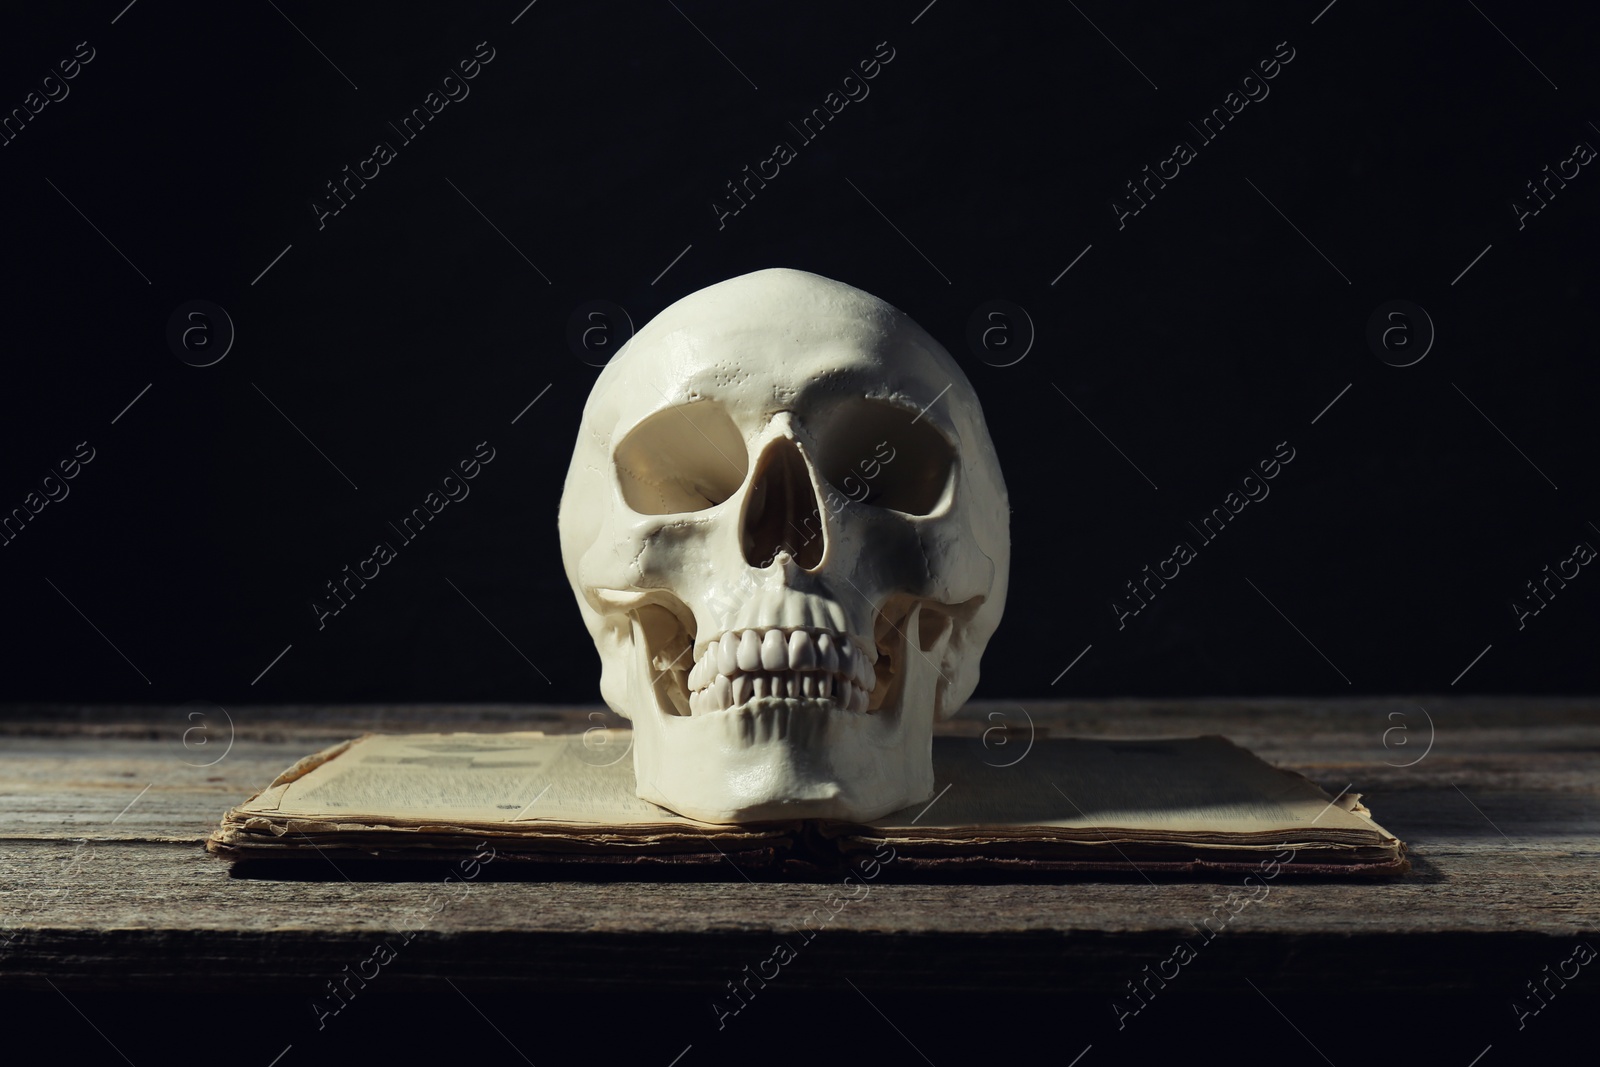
[(787, 531)]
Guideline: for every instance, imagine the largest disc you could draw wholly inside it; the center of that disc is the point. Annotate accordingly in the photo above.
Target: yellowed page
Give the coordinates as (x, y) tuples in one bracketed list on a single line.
[(470, 779), (1147, 789)]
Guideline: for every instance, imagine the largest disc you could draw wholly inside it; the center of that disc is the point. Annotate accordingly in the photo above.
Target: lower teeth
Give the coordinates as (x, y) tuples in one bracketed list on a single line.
[(744, 688)]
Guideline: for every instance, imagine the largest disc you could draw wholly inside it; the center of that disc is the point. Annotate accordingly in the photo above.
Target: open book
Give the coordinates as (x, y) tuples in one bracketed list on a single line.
[(1185, 805)]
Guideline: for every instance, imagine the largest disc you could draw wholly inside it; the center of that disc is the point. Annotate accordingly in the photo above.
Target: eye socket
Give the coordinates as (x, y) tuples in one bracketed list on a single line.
[(881, 454), (685, 458)]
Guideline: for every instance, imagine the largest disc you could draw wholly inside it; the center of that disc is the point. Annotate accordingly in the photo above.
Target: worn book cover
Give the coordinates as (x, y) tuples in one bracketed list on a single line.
[(1173, 806)]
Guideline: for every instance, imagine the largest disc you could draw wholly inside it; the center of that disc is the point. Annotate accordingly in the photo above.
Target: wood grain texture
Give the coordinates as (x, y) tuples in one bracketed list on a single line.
[(103, 877)]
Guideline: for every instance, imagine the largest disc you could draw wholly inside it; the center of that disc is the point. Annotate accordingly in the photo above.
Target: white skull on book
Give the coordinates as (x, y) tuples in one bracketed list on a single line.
[(787, 532)]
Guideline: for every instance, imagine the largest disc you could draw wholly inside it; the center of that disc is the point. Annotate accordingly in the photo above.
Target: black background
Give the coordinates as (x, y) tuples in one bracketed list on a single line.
[(410, 327)]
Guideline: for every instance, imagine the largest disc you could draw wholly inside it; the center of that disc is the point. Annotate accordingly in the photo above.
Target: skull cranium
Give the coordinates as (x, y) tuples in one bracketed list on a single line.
[(787, 532)]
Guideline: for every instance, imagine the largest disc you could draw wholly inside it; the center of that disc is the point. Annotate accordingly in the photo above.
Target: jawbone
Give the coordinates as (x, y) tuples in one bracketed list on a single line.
[(780, 758)]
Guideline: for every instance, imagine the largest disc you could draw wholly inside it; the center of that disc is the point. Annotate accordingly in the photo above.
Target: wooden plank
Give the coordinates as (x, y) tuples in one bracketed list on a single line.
[(105, 911), (102, 877)]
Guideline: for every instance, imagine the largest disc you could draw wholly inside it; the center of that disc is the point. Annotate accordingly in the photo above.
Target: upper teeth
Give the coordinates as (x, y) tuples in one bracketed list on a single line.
[(742, 665)]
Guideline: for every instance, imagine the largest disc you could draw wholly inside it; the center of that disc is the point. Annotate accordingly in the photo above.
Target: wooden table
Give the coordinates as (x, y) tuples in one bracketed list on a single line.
[(104, 882)]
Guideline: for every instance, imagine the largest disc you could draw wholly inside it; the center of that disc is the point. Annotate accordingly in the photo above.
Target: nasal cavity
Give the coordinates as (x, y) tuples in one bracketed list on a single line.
[(780, 514)]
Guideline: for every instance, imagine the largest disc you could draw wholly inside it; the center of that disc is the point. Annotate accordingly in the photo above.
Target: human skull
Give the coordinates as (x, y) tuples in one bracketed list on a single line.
[(787, 532)]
